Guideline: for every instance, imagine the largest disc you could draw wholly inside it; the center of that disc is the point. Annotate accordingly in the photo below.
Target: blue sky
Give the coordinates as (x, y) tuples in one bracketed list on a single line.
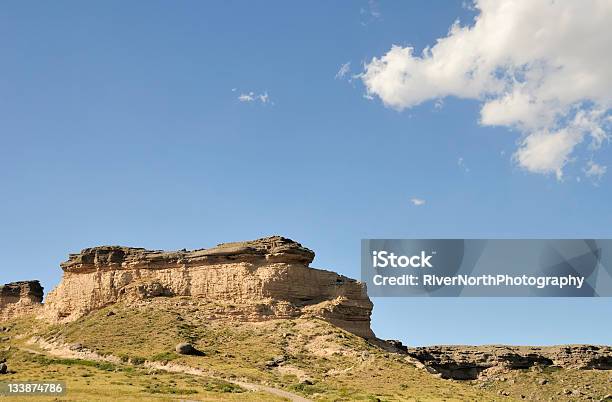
[(119, 125)]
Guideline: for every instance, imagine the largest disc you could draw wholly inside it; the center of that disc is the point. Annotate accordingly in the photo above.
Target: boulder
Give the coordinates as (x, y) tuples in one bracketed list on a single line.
[(187, 349), (276, 361)]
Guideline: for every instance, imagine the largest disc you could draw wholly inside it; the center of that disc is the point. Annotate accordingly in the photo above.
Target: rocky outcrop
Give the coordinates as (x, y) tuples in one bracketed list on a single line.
[(19, 298), (472, 362), (268, 250), (260, 279), (581, 356)]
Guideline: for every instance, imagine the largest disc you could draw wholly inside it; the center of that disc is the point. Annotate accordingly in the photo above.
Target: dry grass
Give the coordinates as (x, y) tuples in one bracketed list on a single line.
[(101, 381), (337, 365)]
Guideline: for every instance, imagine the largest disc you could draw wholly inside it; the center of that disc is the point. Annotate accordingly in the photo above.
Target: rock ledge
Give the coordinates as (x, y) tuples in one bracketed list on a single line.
[(472, 362), (265, 250)]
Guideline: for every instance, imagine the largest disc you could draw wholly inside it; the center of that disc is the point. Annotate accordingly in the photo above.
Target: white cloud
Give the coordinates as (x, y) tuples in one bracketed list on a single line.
[(417, 201), (374, 9), (546, 152), (343, 71), (462, 165), (252, 96), (541, 67), (595, 171), (372, 12), (264, 98), (468, 5)]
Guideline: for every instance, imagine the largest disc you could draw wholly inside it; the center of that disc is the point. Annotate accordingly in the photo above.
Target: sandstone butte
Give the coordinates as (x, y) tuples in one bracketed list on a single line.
[(258, 280)]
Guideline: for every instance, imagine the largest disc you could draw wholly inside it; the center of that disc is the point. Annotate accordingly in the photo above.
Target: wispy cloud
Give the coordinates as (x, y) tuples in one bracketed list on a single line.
[(462, 165), (371, 12), (250, 97), (343, 71), (374, 9), (253, 97), (595, 171), (264, 98), (417, 201)]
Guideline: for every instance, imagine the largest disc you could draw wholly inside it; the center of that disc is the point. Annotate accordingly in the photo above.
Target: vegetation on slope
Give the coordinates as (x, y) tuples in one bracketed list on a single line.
[(309, 357)]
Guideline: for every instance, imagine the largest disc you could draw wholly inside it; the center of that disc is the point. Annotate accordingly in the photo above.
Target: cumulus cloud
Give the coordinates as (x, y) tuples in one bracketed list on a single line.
[(417, 201), (543, 68)]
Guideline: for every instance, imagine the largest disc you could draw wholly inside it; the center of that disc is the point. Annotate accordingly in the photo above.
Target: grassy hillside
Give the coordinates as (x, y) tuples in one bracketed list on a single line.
[(307, 357)]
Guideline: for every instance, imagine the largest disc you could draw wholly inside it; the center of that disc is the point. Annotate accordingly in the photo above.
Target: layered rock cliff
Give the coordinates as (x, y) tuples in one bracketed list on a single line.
[(20, 298), (472, 362), (253, 280)]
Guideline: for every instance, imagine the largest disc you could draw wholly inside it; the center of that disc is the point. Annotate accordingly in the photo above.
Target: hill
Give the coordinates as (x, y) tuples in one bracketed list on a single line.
[(252, 321)]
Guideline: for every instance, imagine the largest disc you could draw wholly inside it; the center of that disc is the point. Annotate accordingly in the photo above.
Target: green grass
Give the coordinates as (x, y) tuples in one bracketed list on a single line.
[(47, 361), (307, 389), (164, 357)]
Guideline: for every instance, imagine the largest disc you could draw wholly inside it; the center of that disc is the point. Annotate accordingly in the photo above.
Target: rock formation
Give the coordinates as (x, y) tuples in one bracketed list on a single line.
[(260, 279), (19, 298), (472, 362)]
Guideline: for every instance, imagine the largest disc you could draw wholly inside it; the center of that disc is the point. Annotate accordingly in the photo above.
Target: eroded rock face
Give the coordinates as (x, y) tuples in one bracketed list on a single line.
[(264, 278), (266, 250), (19, 298), (581, 356), (472, 362)]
